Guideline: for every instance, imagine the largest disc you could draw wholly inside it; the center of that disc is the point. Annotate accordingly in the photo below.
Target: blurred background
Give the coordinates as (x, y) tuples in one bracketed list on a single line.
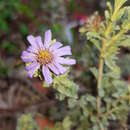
[(19, 18)]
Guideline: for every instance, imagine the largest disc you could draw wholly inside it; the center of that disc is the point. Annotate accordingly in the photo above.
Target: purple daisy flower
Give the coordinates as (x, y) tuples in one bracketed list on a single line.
[(47, 56)]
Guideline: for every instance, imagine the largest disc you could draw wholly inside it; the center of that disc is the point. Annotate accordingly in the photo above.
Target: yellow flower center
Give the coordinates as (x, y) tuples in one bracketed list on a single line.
[(44, 57)]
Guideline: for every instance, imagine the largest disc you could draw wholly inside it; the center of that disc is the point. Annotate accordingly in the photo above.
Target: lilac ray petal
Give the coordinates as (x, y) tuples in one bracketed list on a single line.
[(63, 51), (28, 57), (27, 54), (55, 46), (46, 74), (39, 42), (60, 68), (65, 61), (47, 38), (31, 66), (33, 70), (31, 40), (53, 68), (32, 49)]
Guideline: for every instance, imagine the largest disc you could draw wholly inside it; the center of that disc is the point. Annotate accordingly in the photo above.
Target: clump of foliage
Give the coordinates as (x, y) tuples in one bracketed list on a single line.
[(4, 69), (112, 99), (65, 87), (26, 122), (8, 10), (65, 125)]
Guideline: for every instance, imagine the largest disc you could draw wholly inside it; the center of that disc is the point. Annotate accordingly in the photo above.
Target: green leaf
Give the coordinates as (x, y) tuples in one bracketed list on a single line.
[(110, 8), (117, 6), (93, 119), (111, 63), (23, 29), (10, 47), (72, 103), (4, 26), (65, 86), (101, 93), (125, 43), (95, 42), (4, 69), (67, 123), (96, 127), (107, 15), (93, 35), (25, 9), (94, 72)]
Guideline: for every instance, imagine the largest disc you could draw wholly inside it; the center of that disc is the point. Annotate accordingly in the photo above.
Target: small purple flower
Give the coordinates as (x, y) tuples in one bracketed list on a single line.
[(47, 56)]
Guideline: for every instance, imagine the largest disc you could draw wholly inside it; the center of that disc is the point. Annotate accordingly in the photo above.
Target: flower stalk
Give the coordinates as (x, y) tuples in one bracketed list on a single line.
[(99, 83)]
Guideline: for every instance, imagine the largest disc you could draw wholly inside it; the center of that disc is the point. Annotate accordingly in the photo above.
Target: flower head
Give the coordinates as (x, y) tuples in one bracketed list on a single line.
[(48, 57)]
